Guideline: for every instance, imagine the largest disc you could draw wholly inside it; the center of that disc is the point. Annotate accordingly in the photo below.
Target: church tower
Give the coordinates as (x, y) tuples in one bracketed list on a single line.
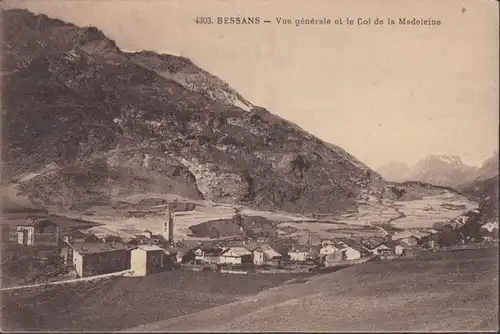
[(168, 226)]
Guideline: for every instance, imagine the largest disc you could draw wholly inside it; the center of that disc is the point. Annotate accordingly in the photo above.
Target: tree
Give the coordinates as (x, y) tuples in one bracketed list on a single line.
[(449, 236)]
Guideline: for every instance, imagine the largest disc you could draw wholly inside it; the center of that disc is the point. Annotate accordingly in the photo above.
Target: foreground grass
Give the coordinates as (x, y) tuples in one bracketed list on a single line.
[(450, 291), (126, 302)]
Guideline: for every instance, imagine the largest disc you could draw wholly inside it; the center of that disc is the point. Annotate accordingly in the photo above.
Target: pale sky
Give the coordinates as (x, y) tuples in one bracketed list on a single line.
[(381, 92)]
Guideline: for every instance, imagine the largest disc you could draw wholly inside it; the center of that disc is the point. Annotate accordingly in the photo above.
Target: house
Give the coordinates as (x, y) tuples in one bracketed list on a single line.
[(259, 257), (333, 258), (328, 248), (265, 254), (490, 226), (236, 255), (402, 235), (147, 233), (350, 253), (97, 258), (381, 249), (298, 255), (39, 233), (402, 248), (142, 239), (373, 242), (412, 241), (146, 260), (208, 254), (353, 250)]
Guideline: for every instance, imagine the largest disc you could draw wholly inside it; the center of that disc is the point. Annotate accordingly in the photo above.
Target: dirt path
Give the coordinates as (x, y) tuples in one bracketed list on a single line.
[(75, 280)]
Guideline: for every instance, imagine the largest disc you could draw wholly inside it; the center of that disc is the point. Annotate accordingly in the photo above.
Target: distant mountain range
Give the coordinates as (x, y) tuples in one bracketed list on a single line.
[(439, 170)]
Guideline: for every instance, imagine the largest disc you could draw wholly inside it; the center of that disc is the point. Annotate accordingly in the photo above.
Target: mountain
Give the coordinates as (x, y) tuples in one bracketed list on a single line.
[(489, 169), (485, 192), (184, 72), (484, 188), (86, 123), (393, 171), (440, 170)]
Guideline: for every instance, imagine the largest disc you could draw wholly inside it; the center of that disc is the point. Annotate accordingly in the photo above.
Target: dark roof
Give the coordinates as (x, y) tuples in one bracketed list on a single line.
[(373, 242), (86, 248), (210, 250), (354, 244), (35, 222)]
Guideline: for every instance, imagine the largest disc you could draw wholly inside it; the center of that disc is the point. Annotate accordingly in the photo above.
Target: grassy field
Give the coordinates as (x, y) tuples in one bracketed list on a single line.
[(126, 302), (448, 291)]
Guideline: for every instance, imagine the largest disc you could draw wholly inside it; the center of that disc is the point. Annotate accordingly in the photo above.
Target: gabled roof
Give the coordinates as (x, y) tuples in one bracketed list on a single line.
[(210, 250), (402, 242), (354, 245), (408, 234), (149, 248), (87, 248), (374, 242), (236, 251), (36, 222)]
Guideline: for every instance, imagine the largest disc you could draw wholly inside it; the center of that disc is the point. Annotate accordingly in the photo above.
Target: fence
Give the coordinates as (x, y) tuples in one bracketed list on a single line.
[(343, 263), (228, 271)]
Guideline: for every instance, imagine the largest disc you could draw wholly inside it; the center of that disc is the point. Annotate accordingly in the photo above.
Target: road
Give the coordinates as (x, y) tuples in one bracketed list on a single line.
[(75, 280)]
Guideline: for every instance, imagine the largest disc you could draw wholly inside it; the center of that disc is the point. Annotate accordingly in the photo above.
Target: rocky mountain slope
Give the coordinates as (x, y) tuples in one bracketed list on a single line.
[(190, 76), (393, 171), (489, 169), (440, 170), (484, 188), (85, 123)]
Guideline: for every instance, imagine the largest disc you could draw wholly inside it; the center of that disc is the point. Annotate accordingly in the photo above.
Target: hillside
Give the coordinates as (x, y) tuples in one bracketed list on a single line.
[(181, 132), (489, 169), (440, 170), (448, 291), (184, 72), (484, 188), (485, 192)]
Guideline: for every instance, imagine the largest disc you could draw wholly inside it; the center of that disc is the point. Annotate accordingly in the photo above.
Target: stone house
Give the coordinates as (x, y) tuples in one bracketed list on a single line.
[(39, 233)]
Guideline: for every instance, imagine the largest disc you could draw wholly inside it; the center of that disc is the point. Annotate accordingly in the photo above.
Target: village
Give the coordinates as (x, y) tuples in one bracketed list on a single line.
[(81, 254)]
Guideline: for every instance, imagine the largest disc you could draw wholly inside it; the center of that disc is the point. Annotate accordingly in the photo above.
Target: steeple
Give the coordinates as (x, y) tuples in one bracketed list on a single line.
[(168, 225)]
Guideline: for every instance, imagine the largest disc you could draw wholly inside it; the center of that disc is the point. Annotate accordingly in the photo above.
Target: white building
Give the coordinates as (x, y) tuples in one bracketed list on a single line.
[(298, 255), (263, 254), (236, 255), (351, 253), (490, 226), (380, 249), (399, 250), (328, 249), (146, 260), (258, 257), (147, 234)]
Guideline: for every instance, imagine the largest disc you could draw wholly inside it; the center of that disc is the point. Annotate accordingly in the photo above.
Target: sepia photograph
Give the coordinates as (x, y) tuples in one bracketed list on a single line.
[(235, 166)]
